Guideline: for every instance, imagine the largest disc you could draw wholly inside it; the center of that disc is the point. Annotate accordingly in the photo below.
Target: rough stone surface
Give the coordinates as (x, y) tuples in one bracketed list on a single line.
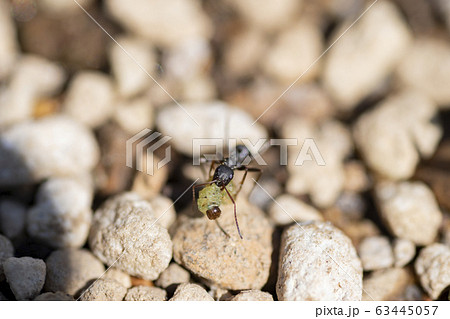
[(6, 251), (315, 164), (252, 295), (163, 23), (318, 262), (429, 76), (62, 215), (410, 211), (227, 262), (376, 253), (191, 292), (287, 209), (69, 270), (125, 226), (216, 120), (118, 275), (143, 293), (12, 218), (433, 268), (400, 130), (104, 289), (386, 284), (54, 296), (404, 251), (90, 98), (52, 146), (25, 276), (363, 58), (174, 274)]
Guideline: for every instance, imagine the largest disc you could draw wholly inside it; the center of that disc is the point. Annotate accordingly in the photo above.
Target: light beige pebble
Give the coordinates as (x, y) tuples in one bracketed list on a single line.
[(63, 7), (404, 251), (227, 262), (386, 284), (150, 185), (433, 268), (118, 275), (163, 23), (270, 15), (130, 70), (318, 262), (12, 218), (104, 289), (174, 274), (6, 251), (52, 146), (33, 78), (164, 210), (216, 120), (125, 226), (286, 209), (90, 98), (292, 55), (9, 46), (429, 76), (134, 115), (198, 89), (252, 295), (315, 164), (356, 177), (54, 296), (410, 210), (25, 276), (62, 215), (400, 130), (376, 253), (190, 292), (69, 270), (144, 293), (363, 58)]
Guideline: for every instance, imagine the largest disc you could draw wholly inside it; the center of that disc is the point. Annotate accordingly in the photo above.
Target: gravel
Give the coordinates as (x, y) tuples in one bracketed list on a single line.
[(25, 276), (190, 292)]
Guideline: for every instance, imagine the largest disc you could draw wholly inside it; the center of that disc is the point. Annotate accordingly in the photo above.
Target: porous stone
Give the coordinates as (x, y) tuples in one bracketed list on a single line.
[(287, 209), (252, 295), (90, 98), (227, 262), (174, 274), (363, 58), (6, 251), (52, 146), (12, 218), (118, 275), (69, 270), (400, 130), (318, 262), (376, 253), (144, 293), (104, 289), (25, 276), (410, 211), (404, 251), (150, 185), (9, 46), (433, 268), (315, 161), (125, 226), (62, 214), (216, 121), (386, 284), (54, 296), (190, 292), (165, 24), (429, 76)]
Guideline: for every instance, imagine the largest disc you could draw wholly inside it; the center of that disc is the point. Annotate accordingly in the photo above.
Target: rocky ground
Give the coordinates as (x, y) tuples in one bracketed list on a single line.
[(368, 81)]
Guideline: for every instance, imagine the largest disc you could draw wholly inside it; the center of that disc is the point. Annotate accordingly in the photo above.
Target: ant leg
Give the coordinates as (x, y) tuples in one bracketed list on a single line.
[(248, 169), (235, 215), (223, 230), (194, 187)]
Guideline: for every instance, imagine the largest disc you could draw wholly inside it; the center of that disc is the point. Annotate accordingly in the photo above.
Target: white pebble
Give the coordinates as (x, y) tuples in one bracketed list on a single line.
[(144, 293), (118, 275), (386, 284), (376, 253), (12, 218), (90, 98), (174, 274), (104, 289), (25, 276), (318, 262), (134, 115), (287, 209), (410, 211), (399, 131), (252, 295), (404, 251), (62, 214), (191, 292)]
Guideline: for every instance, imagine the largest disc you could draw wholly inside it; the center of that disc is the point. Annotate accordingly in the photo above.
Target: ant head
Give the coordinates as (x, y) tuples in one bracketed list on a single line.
[(213, 213), (223, 175)]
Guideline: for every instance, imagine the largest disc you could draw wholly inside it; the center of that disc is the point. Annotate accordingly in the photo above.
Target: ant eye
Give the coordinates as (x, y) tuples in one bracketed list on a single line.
[(213, 213)]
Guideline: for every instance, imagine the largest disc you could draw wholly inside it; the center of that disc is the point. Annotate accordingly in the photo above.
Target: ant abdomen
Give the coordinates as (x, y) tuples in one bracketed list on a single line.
[(213, 213)]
